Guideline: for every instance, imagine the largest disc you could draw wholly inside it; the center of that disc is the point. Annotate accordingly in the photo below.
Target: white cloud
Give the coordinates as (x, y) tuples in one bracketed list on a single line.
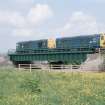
[(80, 23), (39, 13), (23, 23), (22, 32), (30, 34), (24, 1), (11, 18)]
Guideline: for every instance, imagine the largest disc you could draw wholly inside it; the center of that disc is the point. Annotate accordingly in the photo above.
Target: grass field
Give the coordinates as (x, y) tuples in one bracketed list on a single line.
[(44, 88)]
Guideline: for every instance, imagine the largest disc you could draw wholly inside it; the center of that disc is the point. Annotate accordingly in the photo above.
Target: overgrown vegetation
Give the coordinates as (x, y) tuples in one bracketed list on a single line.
[(54, 88), (31, 85)]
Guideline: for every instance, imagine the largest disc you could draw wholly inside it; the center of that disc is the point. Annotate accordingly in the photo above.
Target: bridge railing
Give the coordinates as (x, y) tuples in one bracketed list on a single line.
[(11, 51)]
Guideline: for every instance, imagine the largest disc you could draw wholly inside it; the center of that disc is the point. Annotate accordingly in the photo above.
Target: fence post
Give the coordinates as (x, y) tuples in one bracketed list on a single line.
[(30, 67), (71, 67), (81, 67), (50, 67), (62, 68), (19, 67)]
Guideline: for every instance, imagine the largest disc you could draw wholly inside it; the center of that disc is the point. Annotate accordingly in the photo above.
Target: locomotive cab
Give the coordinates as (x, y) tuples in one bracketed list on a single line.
[(102, 40)]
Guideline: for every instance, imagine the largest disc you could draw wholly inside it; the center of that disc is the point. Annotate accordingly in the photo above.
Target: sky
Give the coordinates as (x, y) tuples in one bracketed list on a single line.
[(23, 20)]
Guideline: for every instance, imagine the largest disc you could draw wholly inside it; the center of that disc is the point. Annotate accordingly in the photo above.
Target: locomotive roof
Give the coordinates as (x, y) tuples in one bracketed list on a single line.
[(60, 38)]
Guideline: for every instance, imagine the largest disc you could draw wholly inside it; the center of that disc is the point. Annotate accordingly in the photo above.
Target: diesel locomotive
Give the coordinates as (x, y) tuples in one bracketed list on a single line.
[(67, 50)]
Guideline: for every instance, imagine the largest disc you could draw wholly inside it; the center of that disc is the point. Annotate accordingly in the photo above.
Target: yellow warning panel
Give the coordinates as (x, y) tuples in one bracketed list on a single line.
[(52, 43), (102, 40)]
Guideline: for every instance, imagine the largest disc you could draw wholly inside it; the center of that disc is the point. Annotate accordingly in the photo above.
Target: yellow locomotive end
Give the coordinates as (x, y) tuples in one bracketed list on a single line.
[(51, 43), (102, 40)]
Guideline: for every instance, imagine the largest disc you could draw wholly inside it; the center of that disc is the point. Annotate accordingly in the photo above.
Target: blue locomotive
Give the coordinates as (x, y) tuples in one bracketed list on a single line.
[(69, 50)]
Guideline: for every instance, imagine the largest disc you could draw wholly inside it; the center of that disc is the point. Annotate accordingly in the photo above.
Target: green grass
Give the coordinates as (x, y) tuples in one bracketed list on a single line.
[(51, 88)]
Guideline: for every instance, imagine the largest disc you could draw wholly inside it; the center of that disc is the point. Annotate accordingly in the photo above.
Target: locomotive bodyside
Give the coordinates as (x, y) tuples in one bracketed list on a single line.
[(90, 41)]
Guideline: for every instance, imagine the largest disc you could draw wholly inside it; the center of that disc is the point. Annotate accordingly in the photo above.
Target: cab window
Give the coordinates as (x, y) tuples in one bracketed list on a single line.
[(102, 37)]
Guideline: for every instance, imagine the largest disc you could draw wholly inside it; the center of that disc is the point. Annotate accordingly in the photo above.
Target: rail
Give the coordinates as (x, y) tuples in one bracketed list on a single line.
[(31, 67)]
